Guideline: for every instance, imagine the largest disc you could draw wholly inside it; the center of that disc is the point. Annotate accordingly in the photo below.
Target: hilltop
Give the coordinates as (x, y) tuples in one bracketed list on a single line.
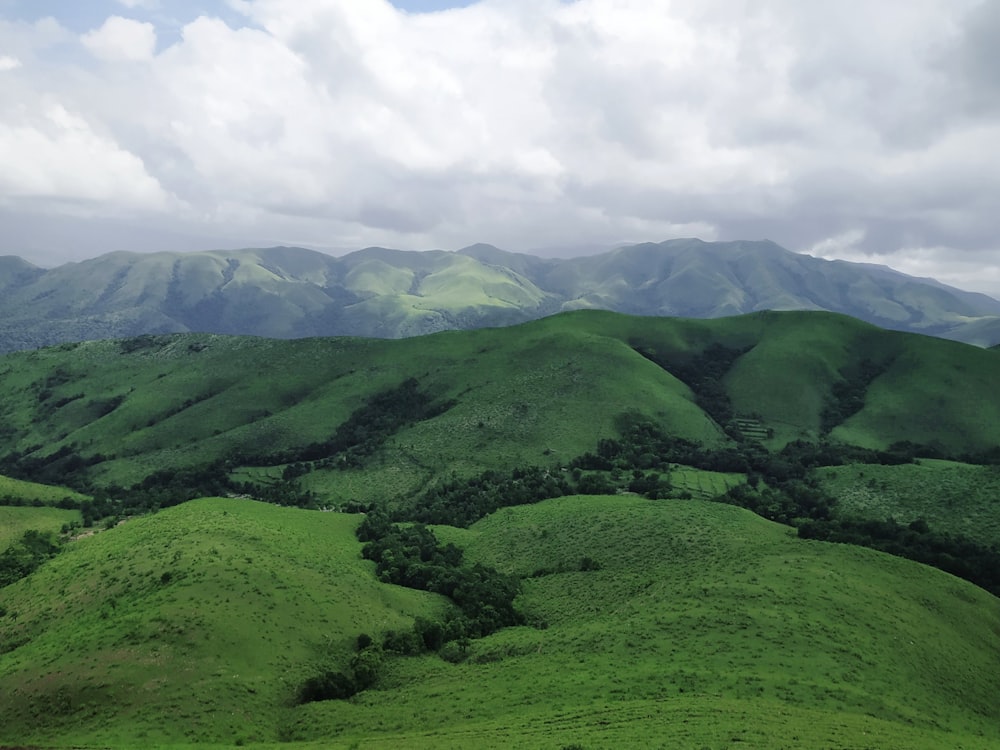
[(288, 292)]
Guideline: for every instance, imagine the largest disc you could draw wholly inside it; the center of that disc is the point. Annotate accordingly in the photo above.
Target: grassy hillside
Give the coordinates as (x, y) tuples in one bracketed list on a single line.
[(15, 521), (197, 624), (538, 393), (951, 497), (21, 492), (704, 626), (701, 625)]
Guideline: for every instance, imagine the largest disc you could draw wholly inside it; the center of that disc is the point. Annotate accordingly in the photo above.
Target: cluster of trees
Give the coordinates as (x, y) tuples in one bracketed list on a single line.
[(790, 502), (64, 466), (412, 556), (848, 395), (640, 461), (26, 555), (462, 502), (361, 674), (169, 487), (805, 506), (643, 445), (703, 373)]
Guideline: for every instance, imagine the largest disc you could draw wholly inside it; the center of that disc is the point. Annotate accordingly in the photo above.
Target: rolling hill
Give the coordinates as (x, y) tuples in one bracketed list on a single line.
[(673, 621), (700, 625), (292, 293), (536, 393)]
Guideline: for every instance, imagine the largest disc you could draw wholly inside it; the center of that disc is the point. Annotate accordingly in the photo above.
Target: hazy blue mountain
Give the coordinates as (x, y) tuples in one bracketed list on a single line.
[(288, 292)]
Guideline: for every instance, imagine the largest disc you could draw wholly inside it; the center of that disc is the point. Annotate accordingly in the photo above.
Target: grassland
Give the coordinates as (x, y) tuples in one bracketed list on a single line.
[(704, 626), (532, 394), (703, 485), (15, 521), (694, 624), (30, 492), (196, 624), (952, 497)]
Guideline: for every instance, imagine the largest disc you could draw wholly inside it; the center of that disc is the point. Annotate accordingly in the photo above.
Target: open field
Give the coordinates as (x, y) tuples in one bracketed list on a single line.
[(15, 521), (195, 624), (29, 492), (951, 497), (704, 624), (649, 623), (703, 485)]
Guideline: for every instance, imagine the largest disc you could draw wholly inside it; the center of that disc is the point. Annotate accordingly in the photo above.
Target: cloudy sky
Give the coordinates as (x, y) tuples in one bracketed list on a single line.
[(857, 129)]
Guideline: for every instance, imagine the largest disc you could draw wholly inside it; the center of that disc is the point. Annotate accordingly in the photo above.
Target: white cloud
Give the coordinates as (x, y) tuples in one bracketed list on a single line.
[(57, 159), (537, 122), (8, 63), (121, 39)]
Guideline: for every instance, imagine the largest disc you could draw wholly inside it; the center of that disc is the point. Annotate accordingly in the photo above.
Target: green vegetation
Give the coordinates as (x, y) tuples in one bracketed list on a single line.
[(18, 492), (287, 292), (196, 624), (573, 588), (204, 623), (26, 555), (702, 626), (532, 395), (951, 497), (15, 521)]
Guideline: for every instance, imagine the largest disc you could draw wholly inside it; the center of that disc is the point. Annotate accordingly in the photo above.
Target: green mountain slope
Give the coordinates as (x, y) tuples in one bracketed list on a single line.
[(14, 521), (197, 624), (291, 292), (952, 497), (531, 394), (698, 625)]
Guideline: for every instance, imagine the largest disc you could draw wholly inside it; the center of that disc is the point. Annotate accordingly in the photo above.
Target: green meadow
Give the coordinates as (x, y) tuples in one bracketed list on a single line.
[(702, 625), (18, 490), (531, 394), (676, 622), (17, 520), (953, 497), (197, 624)]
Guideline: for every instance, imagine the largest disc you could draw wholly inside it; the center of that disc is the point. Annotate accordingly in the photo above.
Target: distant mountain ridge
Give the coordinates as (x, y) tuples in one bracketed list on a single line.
[(288, 292)]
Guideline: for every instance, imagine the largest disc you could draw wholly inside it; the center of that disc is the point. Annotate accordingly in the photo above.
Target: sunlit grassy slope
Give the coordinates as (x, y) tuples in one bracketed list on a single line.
[(705, 627), (199, 623), (15, 521), (952, 497), (534, 393), (29, 492)]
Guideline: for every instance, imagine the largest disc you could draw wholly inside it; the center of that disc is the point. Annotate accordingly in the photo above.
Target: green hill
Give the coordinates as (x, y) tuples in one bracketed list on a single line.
[(19, 492), (953, 497), (695, 625), (15, 521), (196, 624), (536, 393), (673, 622)]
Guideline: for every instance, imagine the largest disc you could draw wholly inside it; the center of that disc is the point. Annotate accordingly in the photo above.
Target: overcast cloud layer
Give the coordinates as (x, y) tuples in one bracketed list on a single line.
[(859, 130)]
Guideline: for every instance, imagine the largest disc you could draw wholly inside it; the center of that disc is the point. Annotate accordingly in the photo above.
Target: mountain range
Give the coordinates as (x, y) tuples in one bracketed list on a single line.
[(288, 292)]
